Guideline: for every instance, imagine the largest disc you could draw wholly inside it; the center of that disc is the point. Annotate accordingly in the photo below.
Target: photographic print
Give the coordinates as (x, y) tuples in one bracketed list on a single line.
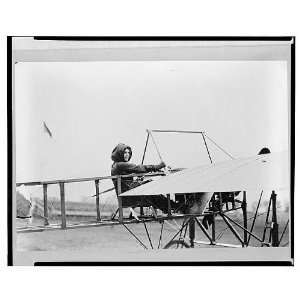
[(152, 150)]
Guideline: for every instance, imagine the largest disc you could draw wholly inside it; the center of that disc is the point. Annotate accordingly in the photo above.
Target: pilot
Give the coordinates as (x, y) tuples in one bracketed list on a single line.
[(121, 156)]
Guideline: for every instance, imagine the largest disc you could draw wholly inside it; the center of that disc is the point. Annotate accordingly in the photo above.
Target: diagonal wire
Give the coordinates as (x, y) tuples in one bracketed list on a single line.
[(206, 147), (255, 215), (285, 227), (224, 229), (219, 146), (148, 235), (135, 236), (180, 230)]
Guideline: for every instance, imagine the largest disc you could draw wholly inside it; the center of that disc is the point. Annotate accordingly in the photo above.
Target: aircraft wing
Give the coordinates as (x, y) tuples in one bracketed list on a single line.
[(259, 172)]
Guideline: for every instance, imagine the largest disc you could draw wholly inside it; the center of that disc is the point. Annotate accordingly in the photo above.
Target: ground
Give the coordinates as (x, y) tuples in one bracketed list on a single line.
[(117, 237)]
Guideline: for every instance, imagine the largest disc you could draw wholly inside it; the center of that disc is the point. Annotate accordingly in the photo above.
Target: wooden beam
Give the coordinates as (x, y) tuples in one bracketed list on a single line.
[(192, 231), (169, 205), (267, 220), (244, 209), (275, 240), (32, 183), (63, 205), (46, 216), (174, 131), (97, 200), (213, 229), (119, 186)]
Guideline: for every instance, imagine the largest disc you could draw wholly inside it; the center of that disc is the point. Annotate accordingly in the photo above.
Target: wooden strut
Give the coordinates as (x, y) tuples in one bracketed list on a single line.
[(169, 205), (192, 231), (220, 201), (120, 200), (63, 205), (270, 236), (213, 224), (245, 221), (213, 229), (145, 149), (175, 131), (73, 180), (233, 201), (266, 221), (97, 200), (274, 229), (46, 216)]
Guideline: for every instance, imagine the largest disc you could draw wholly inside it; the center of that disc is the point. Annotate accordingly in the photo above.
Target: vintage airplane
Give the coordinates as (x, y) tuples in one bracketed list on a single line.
[(198, 195), (214, 189)]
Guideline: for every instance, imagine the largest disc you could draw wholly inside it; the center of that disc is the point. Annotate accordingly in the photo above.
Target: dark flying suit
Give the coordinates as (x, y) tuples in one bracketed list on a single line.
[(121, 167)]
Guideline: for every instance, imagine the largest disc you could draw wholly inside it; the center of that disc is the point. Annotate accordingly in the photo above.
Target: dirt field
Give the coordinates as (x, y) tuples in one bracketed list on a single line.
[(117, 237)]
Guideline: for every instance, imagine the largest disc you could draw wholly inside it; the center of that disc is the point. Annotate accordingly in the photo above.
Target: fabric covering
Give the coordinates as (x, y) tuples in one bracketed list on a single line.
[(268, 171)]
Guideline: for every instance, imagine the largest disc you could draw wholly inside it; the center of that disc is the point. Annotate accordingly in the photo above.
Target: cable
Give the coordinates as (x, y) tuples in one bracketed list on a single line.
[(135, 236), (218, 146), (206, 147)]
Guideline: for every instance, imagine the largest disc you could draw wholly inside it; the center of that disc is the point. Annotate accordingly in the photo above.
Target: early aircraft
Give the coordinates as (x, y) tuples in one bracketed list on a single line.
[(201, 194)]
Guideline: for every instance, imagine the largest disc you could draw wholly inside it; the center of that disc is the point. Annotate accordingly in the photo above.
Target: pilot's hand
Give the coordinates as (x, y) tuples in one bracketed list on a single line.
[(167, 170)]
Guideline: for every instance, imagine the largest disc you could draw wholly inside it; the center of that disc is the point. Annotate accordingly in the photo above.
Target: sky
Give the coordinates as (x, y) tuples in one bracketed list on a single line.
[(91, 106)]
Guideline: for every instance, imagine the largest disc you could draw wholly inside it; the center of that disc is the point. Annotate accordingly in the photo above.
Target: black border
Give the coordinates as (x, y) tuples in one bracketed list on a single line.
[(9, 154), (147, 38), (166, 263), (164, 38), (293, 63)]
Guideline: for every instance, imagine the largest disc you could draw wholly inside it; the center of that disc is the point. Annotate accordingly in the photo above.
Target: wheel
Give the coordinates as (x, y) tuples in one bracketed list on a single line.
[(175, 244)]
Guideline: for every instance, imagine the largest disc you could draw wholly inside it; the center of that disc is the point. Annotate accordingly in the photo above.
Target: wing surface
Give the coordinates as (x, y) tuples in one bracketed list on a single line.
[(259, 172)]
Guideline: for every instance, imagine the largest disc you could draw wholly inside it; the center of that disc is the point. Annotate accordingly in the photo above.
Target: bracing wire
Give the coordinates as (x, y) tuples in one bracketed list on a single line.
[(140, 242), (226, 228), (222, 149), (206, 148), (284, 230), (156, 147)]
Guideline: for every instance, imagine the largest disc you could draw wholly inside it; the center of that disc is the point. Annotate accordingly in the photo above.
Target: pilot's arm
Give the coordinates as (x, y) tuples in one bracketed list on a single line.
[(130, 168)]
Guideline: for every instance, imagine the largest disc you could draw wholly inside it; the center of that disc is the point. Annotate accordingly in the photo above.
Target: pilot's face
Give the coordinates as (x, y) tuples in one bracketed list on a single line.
[(126, 155)]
